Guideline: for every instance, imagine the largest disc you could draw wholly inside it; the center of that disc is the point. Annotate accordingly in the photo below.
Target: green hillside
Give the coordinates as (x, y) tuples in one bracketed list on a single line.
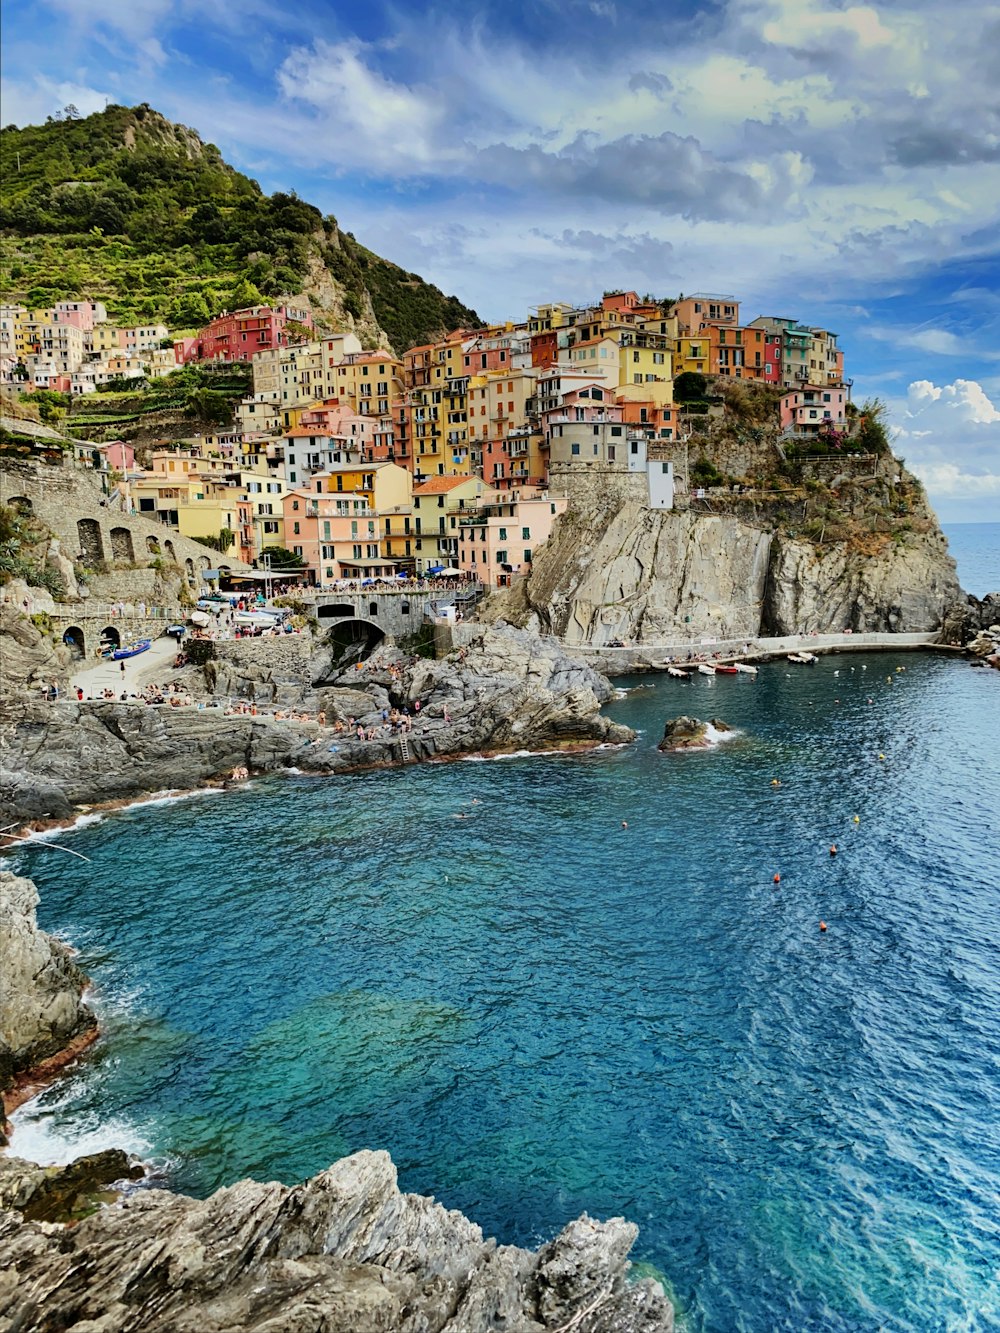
[(128, 208)]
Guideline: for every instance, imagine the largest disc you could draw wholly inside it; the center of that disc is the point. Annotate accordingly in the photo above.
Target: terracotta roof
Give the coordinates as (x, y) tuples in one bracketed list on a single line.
[(439, 485)]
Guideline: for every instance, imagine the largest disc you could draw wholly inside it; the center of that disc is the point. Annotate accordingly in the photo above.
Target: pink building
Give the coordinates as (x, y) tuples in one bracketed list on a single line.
[(185, 350), (118, 455), (237, 335), (500, 540), (590, 401), (807, 410), (83, 314)]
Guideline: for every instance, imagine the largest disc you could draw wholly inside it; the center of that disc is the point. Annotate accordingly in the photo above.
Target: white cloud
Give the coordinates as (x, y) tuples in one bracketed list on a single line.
[(25, 103), (951, 436), (373, 122), (964, 401)]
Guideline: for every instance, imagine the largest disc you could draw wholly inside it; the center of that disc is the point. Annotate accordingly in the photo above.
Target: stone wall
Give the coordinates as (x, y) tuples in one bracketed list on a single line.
[(394, 613), (287, 655), (68, 501)]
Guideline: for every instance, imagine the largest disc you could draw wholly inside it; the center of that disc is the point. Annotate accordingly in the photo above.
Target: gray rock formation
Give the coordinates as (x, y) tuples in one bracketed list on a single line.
[(64, 1193), (620, 570), (40, 986), (28, 656), (967, 617), (690, 733), (57, 756), (345, 1252), (511, 691)]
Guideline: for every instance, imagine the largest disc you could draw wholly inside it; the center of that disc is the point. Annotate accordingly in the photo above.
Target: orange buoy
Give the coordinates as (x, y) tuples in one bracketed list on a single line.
[(822, 927), (833, 849), (777, 879), (857, 819)]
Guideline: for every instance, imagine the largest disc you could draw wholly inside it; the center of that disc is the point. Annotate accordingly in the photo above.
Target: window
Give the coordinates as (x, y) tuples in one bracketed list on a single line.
[(503, 534), (501, 557), (527, 557), (525, 534), (574, 449), (295, 529)]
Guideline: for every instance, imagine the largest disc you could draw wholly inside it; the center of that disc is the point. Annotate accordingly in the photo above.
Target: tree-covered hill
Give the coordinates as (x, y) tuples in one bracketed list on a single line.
[(128, 208)]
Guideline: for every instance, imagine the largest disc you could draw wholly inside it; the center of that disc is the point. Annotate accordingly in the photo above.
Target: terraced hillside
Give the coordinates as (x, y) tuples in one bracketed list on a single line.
[(126, 207)]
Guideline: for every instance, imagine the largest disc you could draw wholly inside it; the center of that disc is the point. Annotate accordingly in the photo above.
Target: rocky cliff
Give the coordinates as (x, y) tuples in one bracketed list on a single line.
[(345, 1252), (41, 1012), (510, 691), (614, 568)]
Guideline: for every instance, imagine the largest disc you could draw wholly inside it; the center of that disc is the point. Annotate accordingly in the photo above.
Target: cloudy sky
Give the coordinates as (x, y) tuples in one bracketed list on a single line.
[(837, 163)]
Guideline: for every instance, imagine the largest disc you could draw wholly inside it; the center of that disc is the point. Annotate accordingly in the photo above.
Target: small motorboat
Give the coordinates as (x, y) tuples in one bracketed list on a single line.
[(725, 671), (131, 649), (798, 658), (257, 619), (745, 669), (705, 670), (678, 674), (810, 659), (200, 618)]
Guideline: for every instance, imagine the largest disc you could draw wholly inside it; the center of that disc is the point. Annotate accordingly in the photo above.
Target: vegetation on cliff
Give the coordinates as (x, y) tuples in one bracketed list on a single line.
[(125, 207)]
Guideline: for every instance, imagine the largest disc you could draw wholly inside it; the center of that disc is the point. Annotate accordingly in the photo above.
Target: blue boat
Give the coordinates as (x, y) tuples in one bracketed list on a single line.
[(131, 649)]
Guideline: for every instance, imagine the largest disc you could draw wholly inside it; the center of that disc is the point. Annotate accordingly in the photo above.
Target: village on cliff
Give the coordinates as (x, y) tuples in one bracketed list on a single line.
[(457, 455)]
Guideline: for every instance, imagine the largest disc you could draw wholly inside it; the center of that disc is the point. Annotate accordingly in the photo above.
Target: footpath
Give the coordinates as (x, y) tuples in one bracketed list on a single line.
[(108, 675), (653, 656)]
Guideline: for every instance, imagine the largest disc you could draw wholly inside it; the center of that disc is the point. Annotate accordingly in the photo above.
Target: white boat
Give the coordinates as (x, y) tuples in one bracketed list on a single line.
[(745, 668), (705, 670), (676, 671), (200, 618), (798, 659), (256, 619)]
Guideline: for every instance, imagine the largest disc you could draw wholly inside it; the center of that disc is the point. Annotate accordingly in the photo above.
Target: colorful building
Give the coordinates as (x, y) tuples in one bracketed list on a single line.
[(237, 335), (501, 539)]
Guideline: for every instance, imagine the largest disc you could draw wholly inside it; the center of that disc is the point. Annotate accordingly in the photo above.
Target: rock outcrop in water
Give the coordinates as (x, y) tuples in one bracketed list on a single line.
[(509, 691), (41, 1012), (690, 733), (345, 1252)]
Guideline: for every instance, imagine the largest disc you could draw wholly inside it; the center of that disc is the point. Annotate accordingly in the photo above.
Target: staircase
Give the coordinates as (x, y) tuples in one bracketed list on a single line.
[(404, 750)]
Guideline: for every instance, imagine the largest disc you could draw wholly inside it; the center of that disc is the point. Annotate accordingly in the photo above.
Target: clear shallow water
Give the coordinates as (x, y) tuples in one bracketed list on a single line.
[(538, 1012), (976, 549)]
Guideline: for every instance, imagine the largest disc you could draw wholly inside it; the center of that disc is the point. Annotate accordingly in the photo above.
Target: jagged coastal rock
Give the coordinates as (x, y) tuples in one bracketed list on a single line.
[(690, 733), (41, 1012), (345, 1252), (507, 691), (614, 568), (64, 1193)]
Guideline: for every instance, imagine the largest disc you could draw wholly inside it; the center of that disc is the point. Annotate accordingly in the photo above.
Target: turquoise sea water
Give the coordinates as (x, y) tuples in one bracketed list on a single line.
[(539, 1012)]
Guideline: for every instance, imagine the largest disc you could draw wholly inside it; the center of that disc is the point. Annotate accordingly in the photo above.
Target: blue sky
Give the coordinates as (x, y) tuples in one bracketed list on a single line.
[(835, 162)]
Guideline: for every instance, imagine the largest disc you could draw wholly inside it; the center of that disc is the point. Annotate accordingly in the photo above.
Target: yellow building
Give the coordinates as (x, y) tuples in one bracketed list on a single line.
[(302, 378), (438, 507), (105, 338), (13, 335), (197, 506), (383, 486), (692, 354), (369, 383)]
